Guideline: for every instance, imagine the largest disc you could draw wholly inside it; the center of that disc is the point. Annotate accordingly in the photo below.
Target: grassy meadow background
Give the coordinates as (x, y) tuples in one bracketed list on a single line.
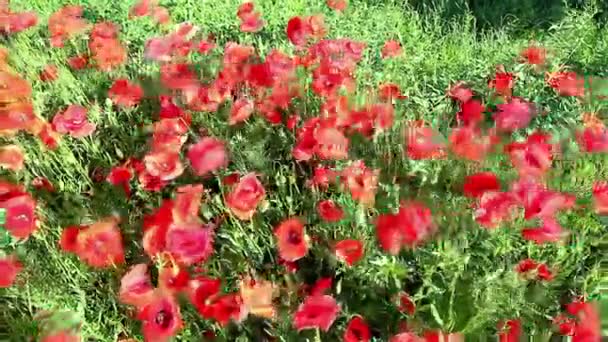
[(464, 283)]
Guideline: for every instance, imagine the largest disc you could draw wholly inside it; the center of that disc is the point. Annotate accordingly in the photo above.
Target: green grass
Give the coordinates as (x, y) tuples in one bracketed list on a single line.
[(463, 282)]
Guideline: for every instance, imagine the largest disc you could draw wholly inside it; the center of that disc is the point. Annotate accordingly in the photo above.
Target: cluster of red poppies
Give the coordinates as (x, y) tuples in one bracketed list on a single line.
[(177, 238)]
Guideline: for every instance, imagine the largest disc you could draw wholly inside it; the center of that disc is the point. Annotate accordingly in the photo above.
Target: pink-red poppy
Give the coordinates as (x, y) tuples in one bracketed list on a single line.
[(189, 244), (405, 303), (534, 157), (62, 336), (10, 267), (165, 165), (534, 55), (121, 176), (251, 20), (100, 244), (357, 330), (66, 23), (78, 62), (20, 209), (316, 312), (593, 139), (301, 30), (389, 92), (11, 158), (510, 331), (226, 308), (471, 112), (292, 241), (350, 251), (423, 142), (361, 182), (245, 197), (124, 93), (475, 185), (135, 286), (200, 291), (174, 279), (49, 73), (588, 321), (460, 92), (495, 207), (502, 83), (566, 83), (532, 269), (330, 211), (600, 197), (241, 110), (411, 226), (469, 143), (161, 317), (15, 22), (549, 231), (208, 155), (41, 183), (391, 48), (513, 115), (73, 121), (337, 5)]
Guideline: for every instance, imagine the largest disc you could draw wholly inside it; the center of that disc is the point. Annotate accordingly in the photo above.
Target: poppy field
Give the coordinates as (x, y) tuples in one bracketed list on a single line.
[(307, 170)]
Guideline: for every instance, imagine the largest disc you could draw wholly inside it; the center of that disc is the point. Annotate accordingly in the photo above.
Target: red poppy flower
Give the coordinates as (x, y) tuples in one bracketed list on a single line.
[(125, 93), (245, 197), (292, 240), (329, 211), (316, 312), (178, 76), (121, 176), (169, 135), (337, 5), (100, 244), (600, 197), (190, 244), (391, 48), (302, 29), (226, 308), (69, 239), (322, 177), (406, 304), (565, 324), (73, 121), (49, 73), (471, 112), (566, 83), (20, 215), (468, 143), (412, 225), (550, 231), (475, 185), (200, 291), (62, 336), (66, 23), (588, 321), (204, 46), (164, 164), (292, 121), (424, 143), (593, 139), (186, 206), (531, 268), (251, 20), (494, 207), (350, 251), (438, 336), (49, 137), (173, 279), (161, 15), (357, 330), (14, 22), (539, 202), (78, 62), (241, 110), (11, 157), (513, 115), (10, 267), (106, 49), (142, 8), (331, 144), (42, 183), (510, 331), (502, 83), (361, 182), (534, 156), (390, 92), (460, 92), (534, 55), (208, 155), (135, 286), (161, 317)]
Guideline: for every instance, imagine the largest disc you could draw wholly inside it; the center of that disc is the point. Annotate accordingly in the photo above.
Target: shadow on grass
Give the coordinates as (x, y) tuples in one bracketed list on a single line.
[(522, 14)]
